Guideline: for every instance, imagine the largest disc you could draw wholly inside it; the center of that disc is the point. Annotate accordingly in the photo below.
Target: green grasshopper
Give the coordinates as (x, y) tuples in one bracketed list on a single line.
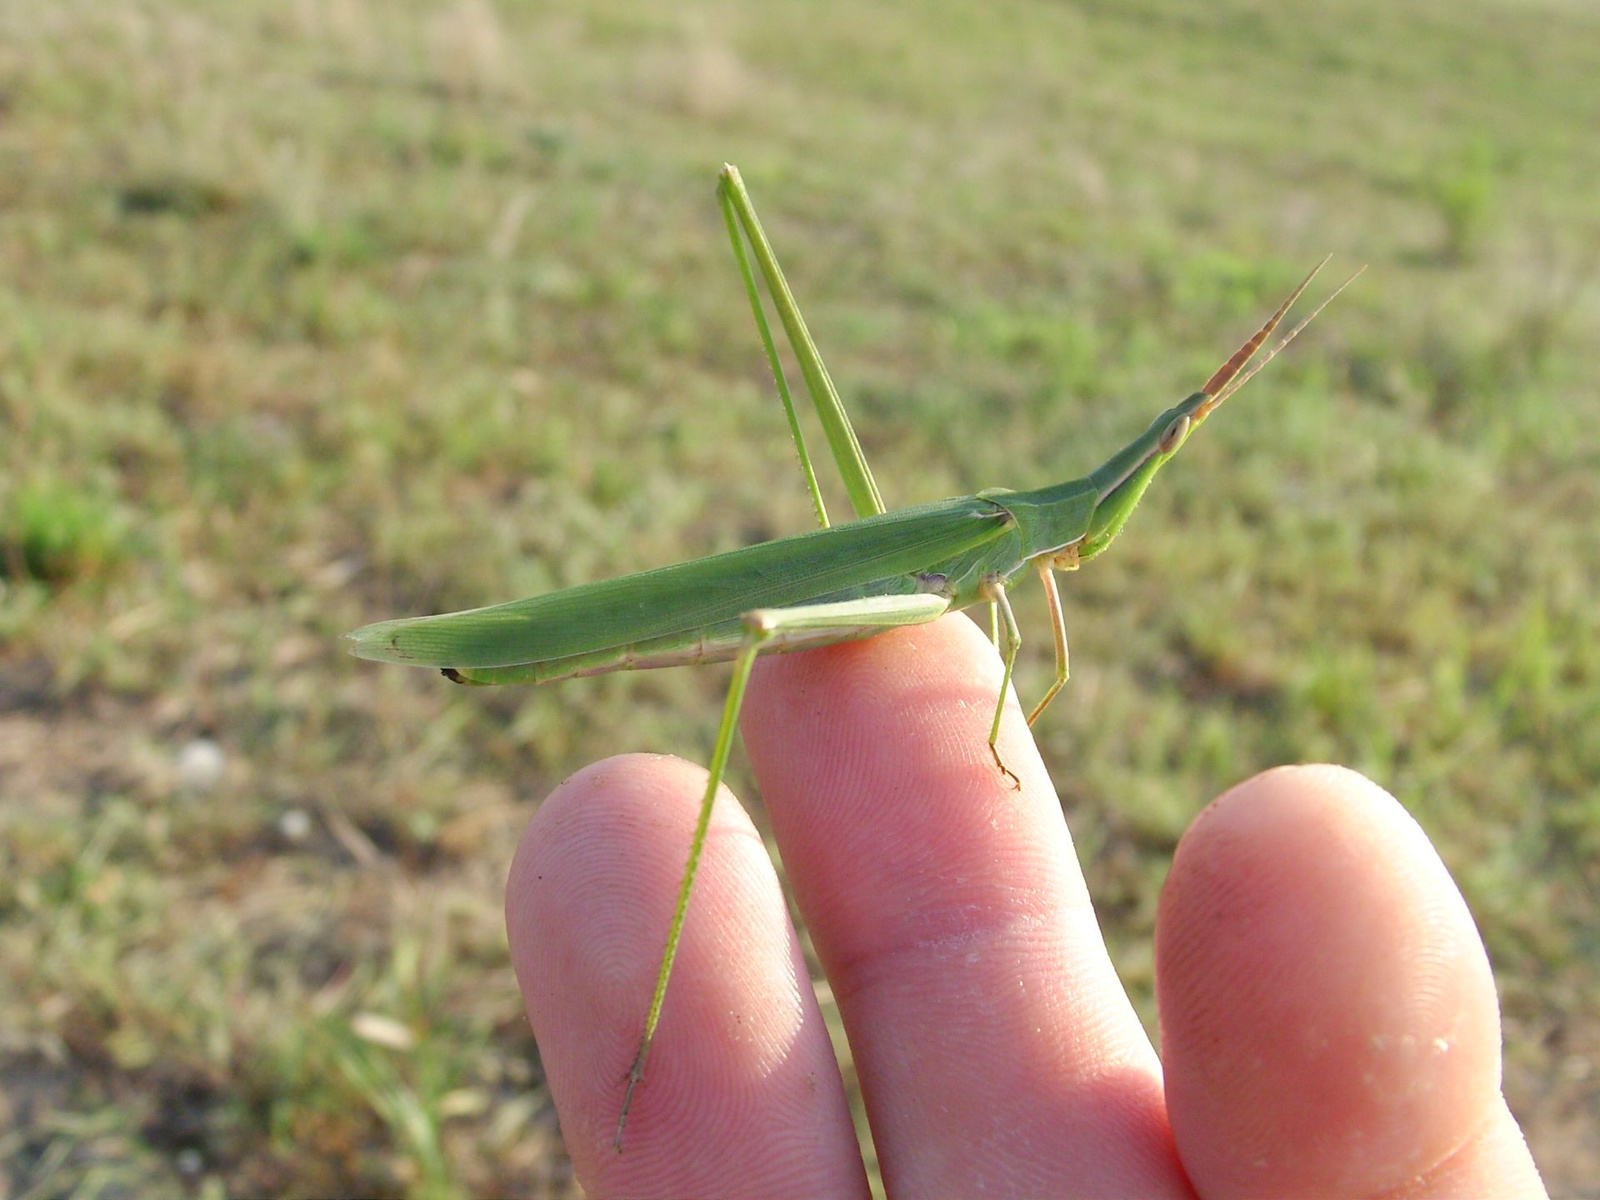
[(834, 584)]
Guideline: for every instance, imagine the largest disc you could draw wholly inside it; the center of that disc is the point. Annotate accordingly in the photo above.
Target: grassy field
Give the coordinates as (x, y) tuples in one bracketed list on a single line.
[(314, 313)]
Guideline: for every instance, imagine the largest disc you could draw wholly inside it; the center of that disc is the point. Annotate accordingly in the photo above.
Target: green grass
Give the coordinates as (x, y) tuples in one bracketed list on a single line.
[(319, 313)]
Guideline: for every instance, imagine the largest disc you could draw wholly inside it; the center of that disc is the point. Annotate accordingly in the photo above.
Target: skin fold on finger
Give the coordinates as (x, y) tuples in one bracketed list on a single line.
[(1328, 1017), (741, 1092), (996, 1048)]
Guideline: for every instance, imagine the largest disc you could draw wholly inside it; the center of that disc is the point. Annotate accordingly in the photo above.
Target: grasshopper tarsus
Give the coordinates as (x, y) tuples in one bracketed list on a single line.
[(1010, 775), (634, 1078)]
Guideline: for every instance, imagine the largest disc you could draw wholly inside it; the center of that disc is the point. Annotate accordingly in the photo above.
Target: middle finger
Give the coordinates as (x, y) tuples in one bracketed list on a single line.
[(995, 1045)]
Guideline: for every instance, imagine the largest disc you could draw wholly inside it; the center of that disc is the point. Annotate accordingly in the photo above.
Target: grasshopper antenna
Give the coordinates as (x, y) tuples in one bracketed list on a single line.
[(1227, 380), (1230, 388), (1244, 353)]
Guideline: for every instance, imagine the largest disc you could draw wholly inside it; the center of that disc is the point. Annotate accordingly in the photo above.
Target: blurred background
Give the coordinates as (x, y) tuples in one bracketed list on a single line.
[(318, 312)]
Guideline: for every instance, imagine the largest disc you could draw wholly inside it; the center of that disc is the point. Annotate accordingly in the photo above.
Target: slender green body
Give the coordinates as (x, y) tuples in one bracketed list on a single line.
[(836, 583), (692, 612)]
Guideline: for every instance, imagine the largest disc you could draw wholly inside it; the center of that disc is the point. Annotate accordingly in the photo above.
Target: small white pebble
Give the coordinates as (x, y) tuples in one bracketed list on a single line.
[(200, 765), (382, 1031), (294, 825)]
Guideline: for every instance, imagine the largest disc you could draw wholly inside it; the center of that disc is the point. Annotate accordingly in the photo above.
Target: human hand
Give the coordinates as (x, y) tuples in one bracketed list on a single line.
[(1329, 1021)]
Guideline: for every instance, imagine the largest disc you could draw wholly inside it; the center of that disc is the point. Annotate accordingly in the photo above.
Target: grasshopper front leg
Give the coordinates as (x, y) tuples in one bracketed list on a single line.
[(996, 593)]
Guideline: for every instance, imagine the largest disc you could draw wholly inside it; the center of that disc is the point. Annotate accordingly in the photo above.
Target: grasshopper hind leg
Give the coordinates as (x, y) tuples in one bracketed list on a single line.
[(848, 618)]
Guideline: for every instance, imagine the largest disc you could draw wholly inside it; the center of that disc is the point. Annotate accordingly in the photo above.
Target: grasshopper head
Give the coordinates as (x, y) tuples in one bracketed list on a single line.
[(1124, 477)]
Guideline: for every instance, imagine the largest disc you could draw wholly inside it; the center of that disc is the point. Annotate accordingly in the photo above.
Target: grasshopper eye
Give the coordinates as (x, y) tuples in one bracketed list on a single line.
[(1174, 435)]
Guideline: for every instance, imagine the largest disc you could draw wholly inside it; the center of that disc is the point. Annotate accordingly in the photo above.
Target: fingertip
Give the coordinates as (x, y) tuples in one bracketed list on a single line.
[(861, 704), (886, 799), (1329, 1020), (741, 1089), (589, 821), (584, 905)]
